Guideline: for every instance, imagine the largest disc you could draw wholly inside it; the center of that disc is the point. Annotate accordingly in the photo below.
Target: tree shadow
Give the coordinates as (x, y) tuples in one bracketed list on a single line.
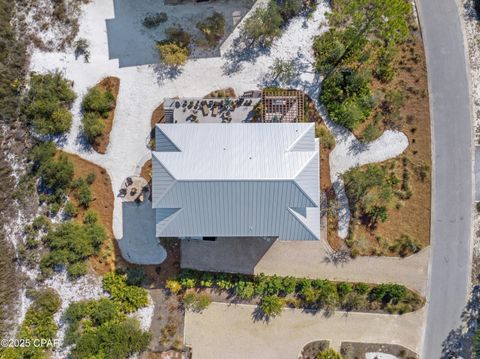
[(242, 51), (459, 340), (164, 72)]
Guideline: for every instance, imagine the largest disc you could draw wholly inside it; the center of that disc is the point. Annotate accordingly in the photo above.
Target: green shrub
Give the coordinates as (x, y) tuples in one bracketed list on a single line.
[(388, 293), (177, 35), (271, 306), (128, 297), (77, 270), (405, 246), (91, 178), (213, 28), (91, 217), (83, 195), (328, 354), (245, 290), (70, 243), (172, 54), (98, 101), (70, 210), (47, 103), (326, 138), (347, 98), (56, 176), (99, 329), (370, 133), (93, 125), (289, 8), (152, 21)]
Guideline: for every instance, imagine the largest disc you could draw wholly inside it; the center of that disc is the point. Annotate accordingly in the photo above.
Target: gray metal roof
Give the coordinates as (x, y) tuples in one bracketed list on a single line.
[(237, 180)]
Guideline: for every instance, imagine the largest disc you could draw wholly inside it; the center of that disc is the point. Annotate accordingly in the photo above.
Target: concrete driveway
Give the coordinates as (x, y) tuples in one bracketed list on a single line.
[(228, 331), (452, 175)]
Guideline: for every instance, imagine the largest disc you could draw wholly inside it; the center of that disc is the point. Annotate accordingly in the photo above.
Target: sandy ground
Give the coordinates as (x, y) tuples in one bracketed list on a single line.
[(228, 331), (142, 88)]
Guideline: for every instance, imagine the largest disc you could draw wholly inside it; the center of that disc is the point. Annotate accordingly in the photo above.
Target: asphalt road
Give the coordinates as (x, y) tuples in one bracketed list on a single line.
[(452, 177)]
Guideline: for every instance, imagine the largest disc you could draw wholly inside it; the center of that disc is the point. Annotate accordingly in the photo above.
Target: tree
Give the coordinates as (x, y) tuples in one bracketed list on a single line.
[(283, 70), (173, 54), (98, 101), (263, 26)]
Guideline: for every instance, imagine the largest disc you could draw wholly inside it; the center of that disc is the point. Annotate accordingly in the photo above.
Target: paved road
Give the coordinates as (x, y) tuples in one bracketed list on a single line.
[(452, 185)]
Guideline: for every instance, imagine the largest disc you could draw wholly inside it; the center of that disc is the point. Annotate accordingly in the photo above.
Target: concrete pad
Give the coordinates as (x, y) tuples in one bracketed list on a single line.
[(235, 255), (139, 244), (228, 331)]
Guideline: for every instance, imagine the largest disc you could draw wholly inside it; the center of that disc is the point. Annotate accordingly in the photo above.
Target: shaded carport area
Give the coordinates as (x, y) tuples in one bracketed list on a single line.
[(225, 254)]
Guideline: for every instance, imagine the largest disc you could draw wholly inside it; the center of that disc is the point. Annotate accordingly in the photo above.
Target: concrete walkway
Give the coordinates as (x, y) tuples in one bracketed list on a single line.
[(228, 331), (311, 259)]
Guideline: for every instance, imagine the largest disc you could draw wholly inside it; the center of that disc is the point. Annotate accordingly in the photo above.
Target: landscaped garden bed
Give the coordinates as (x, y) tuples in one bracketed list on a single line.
[(272, 293), (375, 79), (98, 108), (351, 350)]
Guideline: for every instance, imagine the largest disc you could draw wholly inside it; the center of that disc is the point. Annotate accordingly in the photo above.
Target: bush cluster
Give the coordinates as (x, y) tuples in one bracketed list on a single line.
[(174, 50), (70, 245), (300, 292), (96, 106), (152, 21), (129, 298), (48, 102), (212, 28), (56, 174), (361, 33), (100, 329), (38, 324)]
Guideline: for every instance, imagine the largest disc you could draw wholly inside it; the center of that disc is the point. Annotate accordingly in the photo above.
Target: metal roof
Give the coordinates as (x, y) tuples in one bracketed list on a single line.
[(257, 179)]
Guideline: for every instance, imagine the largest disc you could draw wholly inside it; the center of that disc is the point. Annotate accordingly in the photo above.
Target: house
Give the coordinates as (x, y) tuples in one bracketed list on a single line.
[(236, 180)]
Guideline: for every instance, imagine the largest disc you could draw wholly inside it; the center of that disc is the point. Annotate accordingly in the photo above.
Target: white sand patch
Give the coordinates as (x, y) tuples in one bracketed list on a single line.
[(142, 89), (379, 356), (145, 315), (85, 288)]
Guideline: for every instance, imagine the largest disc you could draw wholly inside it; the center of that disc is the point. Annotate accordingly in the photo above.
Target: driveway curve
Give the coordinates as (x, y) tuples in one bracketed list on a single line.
[(452, 175)]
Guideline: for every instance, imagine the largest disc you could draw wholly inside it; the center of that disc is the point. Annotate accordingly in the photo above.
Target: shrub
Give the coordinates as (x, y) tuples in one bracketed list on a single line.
[(130, 298), (173, 286), (173, 54), (77, 270), (136, 276), (70, 210), (326, 138), (388, 293), (152, 21), (289, 8), (405, 246), (47, 103), (370, 133), (98, 101), (91, 178), (70, 243), (178, 36), (346, 95), (99, 329), (56, 176), (213, 28), (83, 194), (328, 354), (91, 217), (93, 125), (245, 290), (271, 306)]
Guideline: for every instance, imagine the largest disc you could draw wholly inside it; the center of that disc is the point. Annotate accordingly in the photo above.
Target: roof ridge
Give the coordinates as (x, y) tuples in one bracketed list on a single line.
[(299, 138)]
